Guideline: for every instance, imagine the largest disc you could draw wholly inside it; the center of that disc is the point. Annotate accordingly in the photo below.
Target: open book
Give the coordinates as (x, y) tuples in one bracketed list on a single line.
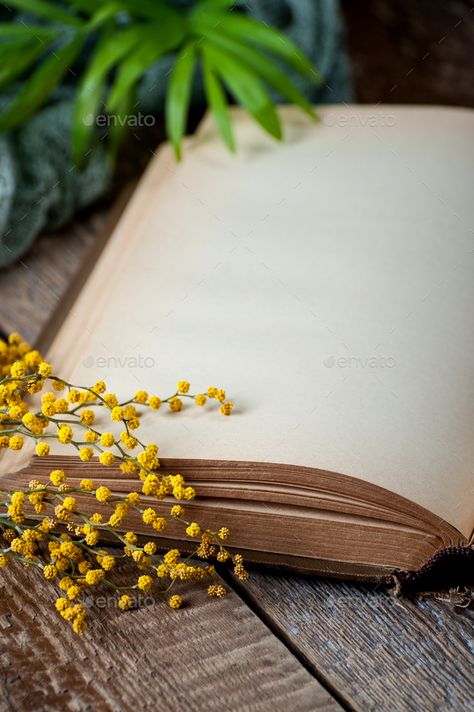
[(327, 283)]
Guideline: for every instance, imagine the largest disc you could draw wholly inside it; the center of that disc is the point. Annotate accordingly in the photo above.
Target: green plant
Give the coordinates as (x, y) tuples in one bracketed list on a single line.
[(235, 53)]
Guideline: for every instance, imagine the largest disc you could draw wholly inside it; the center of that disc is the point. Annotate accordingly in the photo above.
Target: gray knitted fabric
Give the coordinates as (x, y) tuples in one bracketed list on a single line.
[(41, 191)]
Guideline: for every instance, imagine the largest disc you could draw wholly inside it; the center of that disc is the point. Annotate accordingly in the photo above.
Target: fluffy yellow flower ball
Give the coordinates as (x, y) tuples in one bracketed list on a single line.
[(15, 442), (103, 494), (45, 369), (65, 434), (193, 529), (125, 602), (87, 417), (107, 458), (175, 601), (42, 449), (107, 439), (17, 369), (154, 402), (175, 404), (99, 387), (57, 477), (226, 408), (144, 583), (86, 454)]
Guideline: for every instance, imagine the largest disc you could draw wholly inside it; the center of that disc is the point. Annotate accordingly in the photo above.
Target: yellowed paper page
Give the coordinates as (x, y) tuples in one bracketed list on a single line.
[(327, 283)]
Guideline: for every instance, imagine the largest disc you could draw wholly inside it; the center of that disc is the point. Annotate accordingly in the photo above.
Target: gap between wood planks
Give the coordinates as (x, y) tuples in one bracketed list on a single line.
[(247, 597)]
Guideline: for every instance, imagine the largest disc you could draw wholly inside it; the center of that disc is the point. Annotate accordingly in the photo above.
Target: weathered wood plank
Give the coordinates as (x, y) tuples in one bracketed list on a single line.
[(211, 655), (405, 52), (32, 289), (379, 652)]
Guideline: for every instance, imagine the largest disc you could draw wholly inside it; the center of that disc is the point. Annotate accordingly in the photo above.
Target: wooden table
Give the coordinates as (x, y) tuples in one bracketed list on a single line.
[(279, 642)]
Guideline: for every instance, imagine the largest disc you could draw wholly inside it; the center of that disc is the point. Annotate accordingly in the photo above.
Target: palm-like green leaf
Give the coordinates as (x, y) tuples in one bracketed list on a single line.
[(40, 85), (152, 9), (179, 95), (247, 89), (130, 71), (241, 26), (87, 6), (104, 14), (210, 8), (16, 58), (119, 127), (47, 10), (263, 67), (217, 101), (128, 36), (109, 51), (10, 31), (156, 40)]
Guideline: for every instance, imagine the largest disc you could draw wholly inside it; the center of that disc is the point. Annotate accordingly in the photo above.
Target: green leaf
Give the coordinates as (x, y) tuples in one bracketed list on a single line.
[(178, 96), (40, 85), (11, 30), (246, 88), (16, 58), (264, 67), (217, 101), (242, 27), (209, 8), (47, 10), (87, 6), (154, 9), (105, 13), (119, 126), (155, 40), (110, 50)]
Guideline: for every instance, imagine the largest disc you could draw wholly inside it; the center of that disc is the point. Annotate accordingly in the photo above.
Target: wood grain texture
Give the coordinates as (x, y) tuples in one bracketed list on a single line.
[(405, 52), (33, 288), (214, 654), (379, 652)]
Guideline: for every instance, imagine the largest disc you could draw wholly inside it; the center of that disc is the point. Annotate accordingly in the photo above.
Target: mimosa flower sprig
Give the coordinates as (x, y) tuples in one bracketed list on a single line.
[(32, 518)]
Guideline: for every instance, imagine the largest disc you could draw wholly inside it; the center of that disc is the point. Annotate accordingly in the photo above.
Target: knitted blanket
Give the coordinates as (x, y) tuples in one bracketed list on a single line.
[(41, 191)]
